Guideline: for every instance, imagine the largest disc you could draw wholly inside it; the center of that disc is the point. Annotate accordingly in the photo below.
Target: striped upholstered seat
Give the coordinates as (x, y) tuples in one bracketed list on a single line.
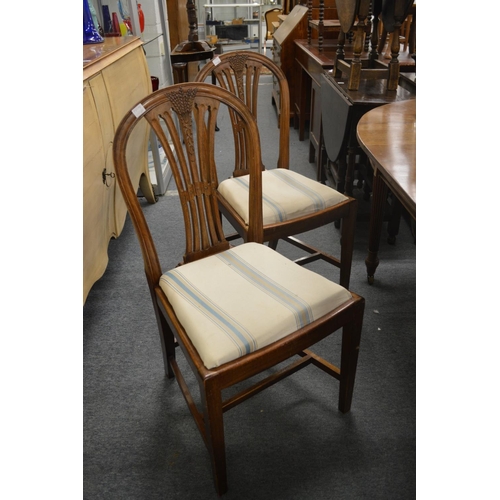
[(245, 298), (286, 195)]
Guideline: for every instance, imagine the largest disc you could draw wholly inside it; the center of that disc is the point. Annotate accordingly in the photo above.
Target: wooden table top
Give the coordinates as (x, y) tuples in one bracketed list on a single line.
[(387, 134)]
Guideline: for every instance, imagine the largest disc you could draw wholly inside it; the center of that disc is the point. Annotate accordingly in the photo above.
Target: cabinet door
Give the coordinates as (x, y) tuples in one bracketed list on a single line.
[(98, 198), (127, 81)]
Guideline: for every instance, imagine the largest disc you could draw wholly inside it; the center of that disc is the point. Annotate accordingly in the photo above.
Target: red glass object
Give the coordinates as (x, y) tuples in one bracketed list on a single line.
[(141, 17), (116, 23)]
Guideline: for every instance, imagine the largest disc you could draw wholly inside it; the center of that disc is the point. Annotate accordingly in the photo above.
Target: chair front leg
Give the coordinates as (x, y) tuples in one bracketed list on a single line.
[(214, 430), (351, 336), (273, 244)]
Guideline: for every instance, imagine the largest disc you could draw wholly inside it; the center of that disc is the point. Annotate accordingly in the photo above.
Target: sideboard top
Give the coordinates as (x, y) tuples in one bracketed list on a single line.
[(97, 56)]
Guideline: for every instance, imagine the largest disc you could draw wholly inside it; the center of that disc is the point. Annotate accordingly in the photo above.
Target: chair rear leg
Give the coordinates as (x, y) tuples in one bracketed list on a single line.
[(214, 430), (167, 338), (167, 343), (273, 244)]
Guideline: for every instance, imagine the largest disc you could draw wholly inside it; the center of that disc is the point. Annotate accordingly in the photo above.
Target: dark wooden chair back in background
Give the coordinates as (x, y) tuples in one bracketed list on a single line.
[(240, 73)]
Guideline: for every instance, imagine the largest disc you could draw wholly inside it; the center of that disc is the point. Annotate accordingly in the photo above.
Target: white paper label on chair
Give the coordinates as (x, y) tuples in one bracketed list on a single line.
[(139, 110), (216, 60)]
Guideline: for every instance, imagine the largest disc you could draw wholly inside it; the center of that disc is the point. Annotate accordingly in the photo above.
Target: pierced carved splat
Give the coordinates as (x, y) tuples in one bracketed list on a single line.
[(241, 76), (240, 72), (184, 119), (190, 154)]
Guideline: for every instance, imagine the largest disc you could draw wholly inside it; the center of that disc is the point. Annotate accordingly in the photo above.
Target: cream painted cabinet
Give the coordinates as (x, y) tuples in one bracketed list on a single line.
[(115, 77)]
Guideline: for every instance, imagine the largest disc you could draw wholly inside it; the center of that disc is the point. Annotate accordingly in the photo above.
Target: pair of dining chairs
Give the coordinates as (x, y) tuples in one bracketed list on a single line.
[(235, 311)]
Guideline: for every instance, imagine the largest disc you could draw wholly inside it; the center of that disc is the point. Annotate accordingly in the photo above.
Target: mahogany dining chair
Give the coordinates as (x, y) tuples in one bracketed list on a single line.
[(234, 311)]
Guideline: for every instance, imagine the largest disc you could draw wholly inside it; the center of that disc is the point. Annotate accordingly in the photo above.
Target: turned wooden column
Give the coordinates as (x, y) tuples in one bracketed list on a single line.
[(309, 18), (192, 20), (401, 9), (321, 24), (374, 40), (359, 42)]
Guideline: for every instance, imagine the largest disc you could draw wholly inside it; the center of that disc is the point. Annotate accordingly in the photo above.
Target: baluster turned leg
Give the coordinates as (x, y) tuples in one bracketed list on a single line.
[(340, 53), (192, 20), (382, 40), (321, 24), (309, 18), (411, 43), (393, 80), (368, 29), (374, 40), (359, 42), (399, 17), (355, 76)]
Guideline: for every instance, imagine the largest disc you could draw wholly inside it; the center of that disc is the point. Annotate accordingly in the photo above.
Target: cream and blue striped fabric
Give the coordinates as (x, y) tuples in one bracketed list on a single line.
[(238, 301), (286, 195)]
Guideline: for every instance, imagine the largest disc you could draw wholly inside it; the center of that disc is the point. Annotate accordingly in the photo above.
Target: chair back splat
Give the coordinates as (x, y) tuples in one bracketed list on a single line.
[(240, 72), (183, 117), (198, 307)]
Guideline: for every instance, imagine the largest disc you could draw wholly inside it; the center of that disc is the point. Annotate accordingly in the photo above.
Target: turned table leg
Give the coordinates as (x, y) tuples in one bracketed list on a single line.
[(349, 174), (379, 195), (394, 221)]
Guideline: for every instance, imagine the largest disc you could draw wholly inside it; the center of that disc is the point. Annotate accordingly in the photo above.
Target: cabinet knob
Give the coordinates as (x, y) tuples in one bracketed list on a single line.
[(104, 175)]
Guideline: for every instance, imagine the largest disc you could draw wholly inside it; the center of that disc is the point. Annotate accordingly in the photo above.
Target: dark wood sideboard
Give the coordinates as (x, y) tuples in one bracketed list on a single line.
[(311, 64)]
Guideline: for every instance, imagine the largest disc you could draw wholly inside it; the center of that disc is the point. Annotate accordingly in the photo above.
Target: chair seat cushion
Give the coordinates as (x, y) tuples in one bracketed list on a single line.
[(286, 195), (235, 302)]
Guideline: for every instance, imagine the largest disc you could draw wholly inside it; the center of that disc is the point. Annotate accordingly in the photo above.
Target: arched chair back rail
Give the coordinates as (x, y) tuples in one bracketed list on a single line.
[(198, 305), (293, 203)]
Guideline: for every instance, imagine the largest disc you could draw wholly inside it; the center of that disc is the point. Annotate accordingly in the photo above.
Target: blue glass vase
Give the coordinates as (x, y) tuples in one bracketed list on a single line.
[(90, 34)]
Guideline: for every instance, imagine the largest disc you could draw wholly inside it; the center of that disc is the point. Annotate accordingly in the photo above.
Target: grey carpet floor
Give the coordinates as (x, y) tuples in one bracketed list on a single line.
[(289, 442)]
